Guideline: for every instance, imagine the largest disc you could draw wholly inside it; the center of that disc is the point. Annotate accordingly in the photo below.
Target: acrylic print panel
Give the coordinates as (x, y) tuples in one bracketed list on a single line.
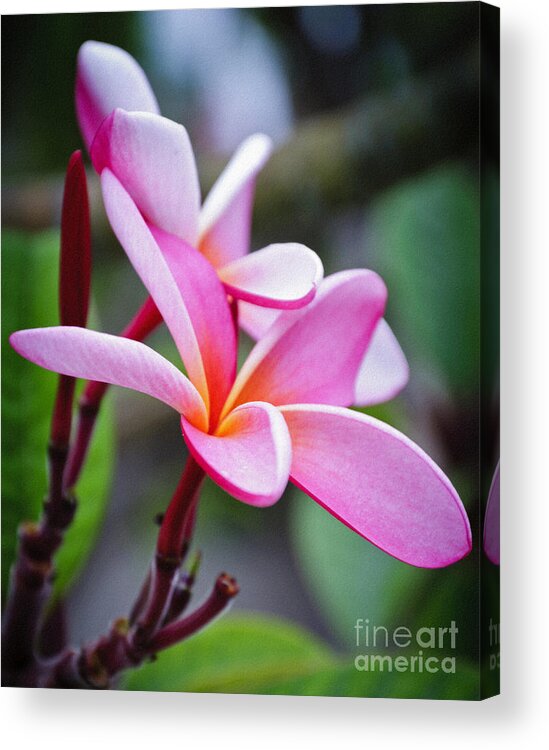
[(241, 349)]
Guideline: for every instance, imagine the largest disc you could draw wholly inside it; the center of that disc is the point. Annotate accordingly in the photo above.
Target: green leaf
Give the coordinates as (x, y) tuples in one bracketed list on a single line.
[(427, 238), (238, 654), (29, 293), (345, 680), (249, 653), (349, 577)]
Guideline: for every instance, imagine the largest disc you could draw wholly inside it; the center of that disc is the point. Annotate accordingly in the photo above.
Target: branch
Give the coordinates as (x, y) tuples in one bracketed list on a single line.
[(96, 665), (32, 574)]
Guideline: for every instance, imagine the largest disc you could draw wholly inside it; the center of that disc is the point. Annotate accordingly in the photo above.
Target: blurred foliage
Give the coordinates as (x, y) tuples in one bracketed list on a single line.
[(490, 316), (351, 578), (384, 45), (39, 59), (237, 654), (347, 575), (252, 654), (426, 235), (29, 292)]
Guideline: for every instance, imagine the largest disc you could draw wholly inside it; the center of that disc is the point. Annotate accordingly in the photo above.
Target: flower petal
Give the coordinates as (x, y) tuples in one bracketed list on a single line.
[(250, 454), (313, 354), (210, 315), (256, 320), (108, 77), (153, 159), (491, 522), (384, 370), (95, 356), (284, 276), (226, 216), (146, 257), (379, 483)]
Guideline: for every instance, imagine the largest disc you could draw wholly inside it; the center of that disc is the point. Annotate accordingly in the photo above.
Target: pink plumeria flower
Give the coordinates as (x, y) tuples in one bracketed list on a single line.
[(153, 158), (154, 161), (283, 416)]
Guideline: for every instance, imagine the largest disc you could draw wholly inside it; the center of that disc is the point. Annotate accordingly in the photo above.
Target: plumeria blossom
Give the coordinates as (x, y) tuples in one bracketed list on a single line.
[(283, 416), (153, 159)]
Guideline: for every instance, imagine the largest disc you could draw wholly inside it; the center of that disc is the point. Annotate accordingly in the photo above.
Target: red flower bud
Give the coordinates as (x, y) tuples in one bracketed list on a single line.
[(75, 262)]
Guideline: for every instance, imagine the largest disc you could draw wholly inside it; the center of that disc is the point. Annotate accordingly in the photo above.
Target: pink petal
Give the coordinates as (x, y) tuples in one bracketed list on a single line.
[(111, 359), (491, 522), (312, 355), (281, 276), (205, 298), (250, 454), (384, 370), (379, 483), (226, 216), (211, 319), (256, 320), (153, 159), (108, 77)]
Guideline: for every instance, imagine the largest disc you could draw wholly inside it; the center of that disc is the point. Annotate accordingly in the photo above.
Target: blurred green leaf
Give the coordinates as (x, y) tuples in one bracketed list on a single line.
[(238, 654), (347, 682), (350, 578), (29, 292), (427, 236), (256, 654)]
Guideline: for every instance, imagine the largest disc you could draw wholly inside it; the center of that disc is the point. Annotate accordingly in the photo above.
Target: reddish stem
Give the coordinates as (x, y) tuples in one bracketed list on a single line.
[(169, 552), (58, 446), (30, 586), (174, 523), (87, 414), (144, 322), (141, 599), (225, 589), (27, 596), (62, 412), (182, 592), (95, 665)]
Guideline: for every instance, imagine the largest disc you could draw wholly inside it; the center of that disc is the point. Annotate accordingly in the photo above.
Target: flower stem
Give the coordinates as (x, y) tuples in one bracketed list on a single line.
[(182, 592), (170, 551), (32, 573), (173, 528), (224, 590), (30, 587), (58, 447), (95, 665), (152, 626)]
